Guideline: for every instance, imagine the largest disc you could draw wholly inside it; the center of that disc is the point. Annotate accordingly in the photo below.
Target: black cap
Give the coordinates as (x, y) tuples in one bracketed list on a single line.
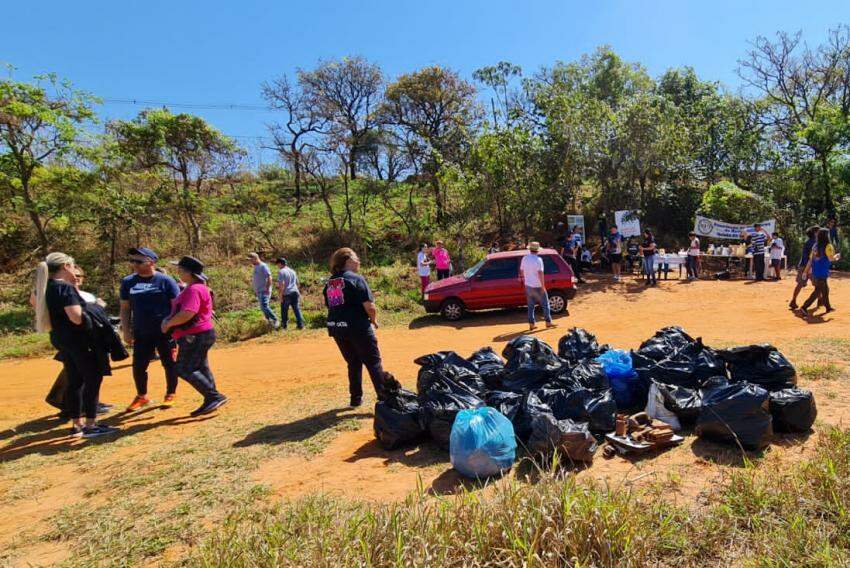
[(193, 265), (281, 260)]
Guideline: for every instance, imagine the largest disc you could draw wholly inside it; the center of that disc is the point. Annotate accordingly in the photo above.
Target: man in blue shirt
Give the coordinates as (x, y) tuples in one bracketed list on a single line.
[(802, 275), (261, 281), (145, 301), (287, 283)]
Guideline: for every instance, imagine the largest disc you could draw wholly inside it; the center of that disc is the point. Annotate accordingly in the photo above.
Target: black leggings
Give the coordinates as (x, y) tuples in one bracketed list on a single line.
[(359, 350), (143, 350), (820, 293), (84, 379)]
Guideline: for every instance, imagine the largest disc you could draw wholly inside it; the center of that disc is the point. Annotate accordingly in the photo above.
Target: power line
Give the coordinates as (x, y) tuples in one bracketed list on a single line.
[(192, 106)]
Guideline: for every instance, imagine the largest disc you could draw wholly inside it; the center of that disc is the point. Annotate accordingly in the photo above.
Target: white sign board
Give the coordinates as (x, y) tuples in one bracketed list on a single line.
[(577, 221), (706, 227), (627, 223)]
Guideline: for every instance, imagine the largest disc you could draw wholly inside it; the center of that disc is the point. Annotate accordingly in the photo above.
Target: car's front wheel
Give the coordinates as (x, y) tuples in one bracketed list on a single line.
[(557, 302), (452, 309)]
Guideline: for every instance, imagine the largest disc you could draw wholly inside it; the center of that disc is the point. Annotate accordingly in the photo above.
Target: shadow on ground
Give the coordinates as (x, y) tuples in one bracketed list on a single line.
[(301, 429)]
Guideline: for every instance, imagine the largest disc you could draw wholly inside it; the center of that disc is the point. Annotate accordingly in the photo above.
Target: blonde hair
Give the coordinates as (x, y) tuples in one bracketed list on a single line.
[(51, 264), (340, 258)]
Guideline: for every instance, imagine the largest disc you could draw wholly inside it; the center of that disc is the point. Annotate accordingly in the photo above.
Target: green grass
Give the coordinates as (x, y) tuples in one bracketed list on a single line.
[(762, 515), (820, 371)]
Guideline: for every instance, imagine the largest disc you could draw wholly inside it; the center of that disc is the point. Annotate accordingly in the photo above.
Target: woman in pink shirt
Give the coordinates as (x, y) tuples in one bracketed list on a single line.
[(191, 325), (442, 260)]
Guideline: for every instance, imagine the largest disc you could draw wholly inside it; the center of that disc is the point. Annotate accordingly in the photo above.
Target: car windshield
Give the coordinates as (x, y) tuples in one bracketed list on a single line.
[(470, 272)]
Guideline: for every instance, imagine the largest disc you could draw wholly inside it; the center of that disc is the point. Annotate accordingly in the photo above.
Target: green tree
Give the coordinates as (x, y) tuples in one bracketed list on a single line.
[(39, 122), (184, 147), (730, 203)]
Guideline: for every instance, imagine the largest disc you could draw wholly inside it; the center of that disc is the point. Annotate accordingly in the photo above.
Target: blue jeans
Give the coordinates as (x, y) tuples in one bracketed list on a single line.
[(263, 298), (537, 296), (649, 268), (292, 299)]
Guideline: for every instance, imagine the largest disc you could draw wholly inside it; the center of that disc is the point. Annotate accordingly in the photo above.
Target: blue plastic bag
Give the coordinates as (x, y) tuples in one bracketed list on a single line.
[(482, 443), (629, 391)]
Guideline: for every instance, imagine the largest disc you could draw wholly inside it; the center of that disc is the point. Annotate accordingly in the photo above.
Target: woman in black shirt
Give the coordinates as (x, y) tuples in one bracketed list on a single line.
[(352, 319), (648, 248), (59, 309)]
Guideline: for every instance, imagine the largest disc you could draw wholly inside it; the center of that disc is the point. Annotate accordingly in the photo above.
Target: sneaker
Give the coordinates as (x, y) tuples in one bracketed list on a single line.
[(138, 403), (76, 432), (168, 401), (550, 325), (103, 408), (98, 430), (355, 401), (209, 406)]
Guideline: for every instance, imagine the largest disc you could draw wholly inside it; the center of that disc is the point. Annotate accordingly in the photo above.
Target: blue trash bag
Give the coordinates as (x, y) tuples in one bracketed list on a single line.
[(629, 391), (482, 443)]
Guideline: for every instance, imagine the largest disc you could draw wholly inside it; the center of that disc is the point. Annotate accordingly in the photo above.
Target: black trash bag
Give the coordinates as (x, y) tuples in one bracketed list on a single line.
[(688, 366), (490, 367), (579, 345), (665, 341), (507, 402), (531, 364), (793, 410), (589, 375), (681, 401), (571, 439), (760, 364), (440, 405), (397, 419), (596, 407), (448, 365), (736, 411), (531, 407)]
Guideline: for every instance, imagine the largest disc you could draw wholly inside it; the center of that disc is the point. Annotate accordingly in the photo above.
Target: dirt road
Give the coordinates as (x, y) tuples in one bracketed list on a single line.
[(292, 395)]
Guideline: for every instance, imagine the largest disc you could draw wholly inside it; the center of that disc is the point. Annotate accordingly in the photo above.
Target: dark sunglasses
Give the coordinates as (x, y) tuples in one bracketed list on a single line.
[(136, 261)]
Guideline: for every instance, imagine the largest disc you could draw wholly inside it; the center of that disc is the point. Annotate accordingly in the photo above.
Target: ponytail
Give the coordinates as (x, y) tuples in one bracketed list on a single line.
[(52, 263), (42, 316)]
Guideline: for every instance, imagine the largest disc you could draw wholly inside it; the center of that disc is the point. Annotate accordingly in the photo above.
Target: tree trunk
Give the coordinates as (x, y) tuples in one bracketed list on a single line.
[(352, 155), (33, 214), (296, 166), (827, 187)]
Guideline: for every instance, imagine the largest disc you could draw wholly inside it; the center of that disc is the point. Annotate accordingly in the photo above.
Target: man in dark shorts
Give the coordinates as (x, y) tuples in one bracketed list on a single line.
[(802, 274), (615, 251)]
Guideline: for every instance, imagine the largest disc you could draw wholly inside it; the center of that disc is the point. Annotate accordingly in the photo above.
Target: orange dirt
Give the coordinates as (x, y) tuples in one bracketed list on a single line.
[(295, 390)]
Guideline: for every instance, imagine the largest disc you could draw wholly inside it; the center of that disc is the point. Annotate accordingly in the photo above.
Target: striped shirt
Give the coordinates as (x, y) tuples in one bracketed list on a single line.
[(758, 241)]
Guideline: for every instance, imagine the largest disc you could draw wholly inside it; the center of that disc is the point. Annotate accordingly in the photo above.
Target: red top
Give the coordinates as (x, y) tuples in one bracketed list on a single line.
[(196, 298)]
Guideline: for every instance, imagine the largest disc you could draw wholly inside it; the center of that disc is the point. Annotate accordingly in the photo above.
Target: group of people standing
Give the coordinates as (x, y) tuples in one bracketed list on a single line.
[(158, 316), (436, 257)]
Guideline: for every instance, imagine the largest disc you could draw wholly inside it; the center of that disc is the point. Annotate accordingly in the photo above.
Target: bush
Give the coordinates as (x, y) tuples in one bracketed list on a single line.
[(726, 201)]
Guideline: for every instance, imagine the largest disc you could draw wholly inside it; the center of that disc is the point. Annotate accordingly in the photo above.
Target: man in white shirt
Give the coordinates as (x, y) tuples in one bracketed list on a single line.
[(693, 256), (777, 251), (531, 269)]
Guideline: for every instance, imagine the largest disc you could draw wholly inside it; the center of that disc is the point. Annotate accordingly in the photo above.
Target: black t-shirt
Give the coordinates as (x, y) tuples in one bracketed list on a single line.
[(633, 248), (64, 334), (344, 295), (647, 242)]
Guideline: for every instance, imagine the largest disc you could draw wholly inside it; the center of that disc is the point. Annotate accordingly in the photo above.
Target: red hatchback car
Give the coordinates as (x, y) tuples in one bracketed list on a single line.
[(495, 282)]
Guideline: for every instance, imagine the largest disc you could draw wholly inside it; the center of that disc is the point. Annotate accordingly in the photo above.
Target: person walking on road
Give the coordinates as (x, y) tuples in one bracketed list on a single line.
[(820, 262), (352, 321), (146, 297), (758, 239), (648, 249), (615, 251), (261, 281), (442, 260), (531, 269), (802, 266), (423, 266), (290, 296), (692, 259), (191, 325), (60, 310)]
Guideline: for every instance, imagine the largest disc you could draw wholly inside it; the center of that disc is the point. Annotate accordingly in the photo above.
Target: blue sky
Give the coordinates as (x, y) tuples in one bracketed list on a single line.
[(187, 51)]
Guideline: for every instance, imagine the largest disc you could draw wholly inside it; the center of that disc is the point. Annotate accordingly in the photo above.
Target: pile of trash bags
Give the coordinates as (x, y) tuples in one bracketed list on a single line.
[(480, 407)]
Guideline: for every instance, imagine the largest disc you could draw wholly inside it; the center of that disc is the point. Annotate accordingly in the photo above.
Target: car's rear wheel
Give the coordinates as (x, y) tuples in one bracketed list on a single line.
[(452, 309), (557, 302)]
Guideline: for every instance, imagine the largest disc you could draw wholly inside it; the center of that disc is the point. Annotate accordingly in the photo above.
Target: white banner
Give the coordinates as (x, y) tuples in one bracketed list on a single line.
[(706, 227), (627, 223), (577, 221)]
